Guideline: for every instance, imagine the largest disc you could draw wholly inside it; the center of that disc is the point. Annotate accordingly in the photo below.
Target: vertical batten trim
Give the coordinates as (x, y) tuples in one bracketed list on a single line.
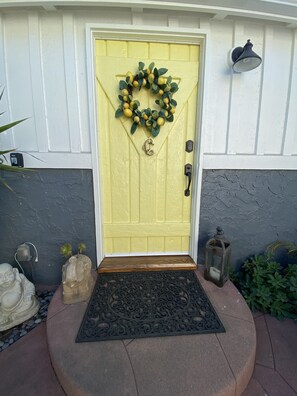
[(288, 97), (2, 59), (71, 83), (257, 137), (7, 139), (37, 83), (275, 90), (79, 112), (3, 80), (230, 99), (43, 85), (288, 138)]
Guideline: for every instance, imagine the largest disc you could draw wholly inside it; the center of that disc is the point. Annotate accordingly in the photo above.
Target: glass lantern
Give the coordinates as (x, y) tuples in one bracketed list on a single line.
[(217, 258)]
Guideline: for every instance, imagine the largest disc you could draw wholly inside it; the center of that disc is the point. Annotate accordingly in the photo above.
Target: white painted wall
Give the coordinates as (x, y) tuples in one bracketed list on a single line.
[(250, 119)]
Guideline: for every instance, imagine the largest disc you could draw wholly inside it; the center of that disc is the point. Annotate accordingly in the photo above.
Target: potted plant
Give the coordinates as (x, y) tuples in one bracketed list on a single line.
[(76, 274)]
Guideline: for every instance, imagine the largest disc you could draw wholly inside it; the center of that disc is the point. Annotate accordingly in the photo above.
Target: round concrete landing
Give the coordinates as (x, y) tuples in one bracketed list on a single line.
[(193, 365)]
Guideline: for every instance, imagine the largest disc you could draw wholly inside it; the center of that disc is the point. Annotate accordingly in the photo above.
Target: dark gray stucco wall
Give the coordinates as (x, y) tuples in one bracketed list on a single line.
[(48, 208), (52, 206), (254, 207)]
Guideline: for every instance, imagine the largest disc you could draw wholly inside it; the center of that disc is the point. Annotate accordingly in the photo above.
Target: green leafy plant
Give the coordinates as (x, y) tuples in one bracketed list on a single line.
[(66, 249), (3, 166), (268, 287)]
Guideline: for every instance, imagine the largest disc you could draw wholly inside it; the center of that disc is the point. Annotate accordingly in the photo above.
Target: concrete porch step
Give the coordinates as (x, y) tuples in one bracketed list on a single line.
[(146, 263), (192, 365)]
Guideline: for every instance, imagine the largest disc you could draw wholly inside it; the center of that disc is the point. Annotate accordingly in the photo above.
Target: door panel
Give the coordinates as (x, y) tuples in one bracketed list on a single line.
[(144, 206)]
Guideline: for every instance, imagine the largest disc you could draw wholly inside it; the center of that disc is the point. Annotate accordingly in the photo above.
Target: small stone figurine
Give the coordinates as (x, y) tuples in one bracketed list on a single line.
[(76, 275), (17, 297)]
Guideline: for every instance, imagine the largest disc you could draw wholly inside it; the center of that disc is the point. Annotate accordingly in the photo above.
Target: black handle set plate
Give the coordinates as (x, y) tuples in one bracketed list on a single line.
[(188, 173)]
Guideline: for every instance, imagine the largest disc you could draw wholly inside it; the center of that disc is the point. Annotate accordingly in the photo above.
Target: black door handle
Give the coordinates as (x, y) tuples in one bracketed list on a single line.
[(188, 173)]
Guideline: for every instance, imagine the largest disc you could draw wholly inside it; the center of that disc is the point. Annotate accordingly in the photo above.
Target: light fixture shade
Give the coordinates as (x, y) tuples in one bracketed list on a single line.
[(245, 59)]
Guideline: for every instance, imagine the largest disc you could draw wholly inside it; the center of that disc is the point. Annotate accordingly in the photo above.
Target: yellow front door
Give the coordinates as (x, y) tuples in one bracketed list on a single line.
[(145, 210)]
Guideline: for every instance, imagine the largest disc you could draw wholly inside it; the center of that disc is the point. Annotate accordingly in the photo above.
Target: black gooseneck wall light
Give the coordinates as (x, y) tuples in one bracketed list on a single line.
[(244, 58)]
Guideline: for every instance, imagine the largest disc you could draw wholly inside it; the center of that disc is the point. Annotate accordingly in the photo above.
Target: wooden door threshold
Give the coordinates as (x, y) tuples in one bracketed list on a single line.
[(146, 263)]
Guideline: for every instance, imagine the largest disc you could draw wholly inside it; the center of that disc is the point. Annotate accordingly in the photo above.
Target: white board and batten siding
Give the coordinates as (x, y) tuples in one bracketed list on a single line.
[(249, 120)]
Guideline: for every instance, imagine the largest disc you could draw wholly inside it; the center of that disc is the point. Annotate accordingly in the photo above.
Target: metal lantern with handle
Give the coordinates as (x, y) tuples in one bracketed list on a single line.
[(217, 258)]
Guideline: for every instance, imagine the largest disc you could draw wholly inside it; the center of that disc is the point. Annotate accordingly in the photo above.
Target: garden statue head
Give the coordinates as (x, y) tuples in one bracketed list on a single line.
[(17, 297), (8, 276)]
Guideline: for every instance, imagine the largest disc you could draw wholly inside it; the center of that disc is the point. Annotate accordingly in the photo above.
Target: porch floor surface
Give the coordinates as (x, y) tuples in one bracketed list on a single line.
[(209, 364)]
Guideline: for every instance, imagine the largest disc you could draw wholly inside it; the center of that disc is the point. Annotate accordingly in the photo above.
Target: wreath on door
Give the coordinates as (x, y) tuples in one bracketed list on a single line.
[(154, 80)]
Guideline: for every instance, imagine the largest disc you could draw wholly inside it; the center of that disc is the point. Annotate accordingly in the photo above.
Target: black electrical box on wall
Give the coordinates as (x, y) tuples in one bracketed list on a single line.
[(17, 159)]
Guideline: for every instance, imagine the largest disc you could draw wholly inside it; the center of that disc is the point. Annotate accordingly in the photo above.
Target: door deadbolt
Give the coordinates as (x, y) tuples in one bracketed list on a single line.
[(189, 146)]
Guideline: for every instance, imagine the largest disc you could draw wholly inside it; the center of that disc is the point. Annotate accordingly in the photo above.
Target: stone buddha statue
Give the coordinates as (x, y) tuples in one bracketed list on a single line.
[(17, 297)]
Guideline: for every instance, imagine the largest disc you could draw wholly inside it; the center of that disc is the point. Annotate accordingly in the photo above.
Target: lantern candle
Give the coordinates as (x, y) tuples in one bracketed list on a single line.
[(214, 273)]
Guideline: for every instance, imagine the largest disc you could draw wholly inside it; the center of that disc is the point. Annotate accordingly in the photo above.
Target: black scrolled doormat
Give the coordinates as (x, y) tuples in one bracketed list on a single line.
[(147, 304)]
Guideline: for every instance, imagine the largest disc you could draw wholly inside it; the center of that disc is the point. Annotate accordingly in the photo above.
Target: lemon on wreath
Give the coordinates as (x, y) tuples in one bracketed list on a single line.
[(128, 113)]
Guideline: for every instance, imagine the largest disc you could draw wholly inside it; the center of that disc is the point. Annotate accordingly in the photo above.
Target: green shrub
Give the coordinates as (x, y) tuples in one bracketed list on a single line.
[(268, 287), (4, 167)]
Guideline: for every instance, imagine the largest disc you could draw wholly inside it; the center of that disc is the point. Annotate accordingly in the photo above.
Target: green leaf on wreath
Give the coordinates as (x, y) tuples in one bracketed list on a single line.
[(155, 131), (173, 102), (170, 118), (140, 66), (155, 114), (174, 87), (156, 73), (169, 79), (121, 98), (142, 121), (155, 88), (151, 66), (162, 71), (123, 85), (133, 127), (119, 113)]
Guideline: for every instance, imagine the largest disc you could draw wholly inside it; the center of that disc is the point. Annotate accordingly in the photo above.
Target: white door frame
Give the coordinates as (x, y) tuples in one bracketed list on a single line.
[(140, 33)]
